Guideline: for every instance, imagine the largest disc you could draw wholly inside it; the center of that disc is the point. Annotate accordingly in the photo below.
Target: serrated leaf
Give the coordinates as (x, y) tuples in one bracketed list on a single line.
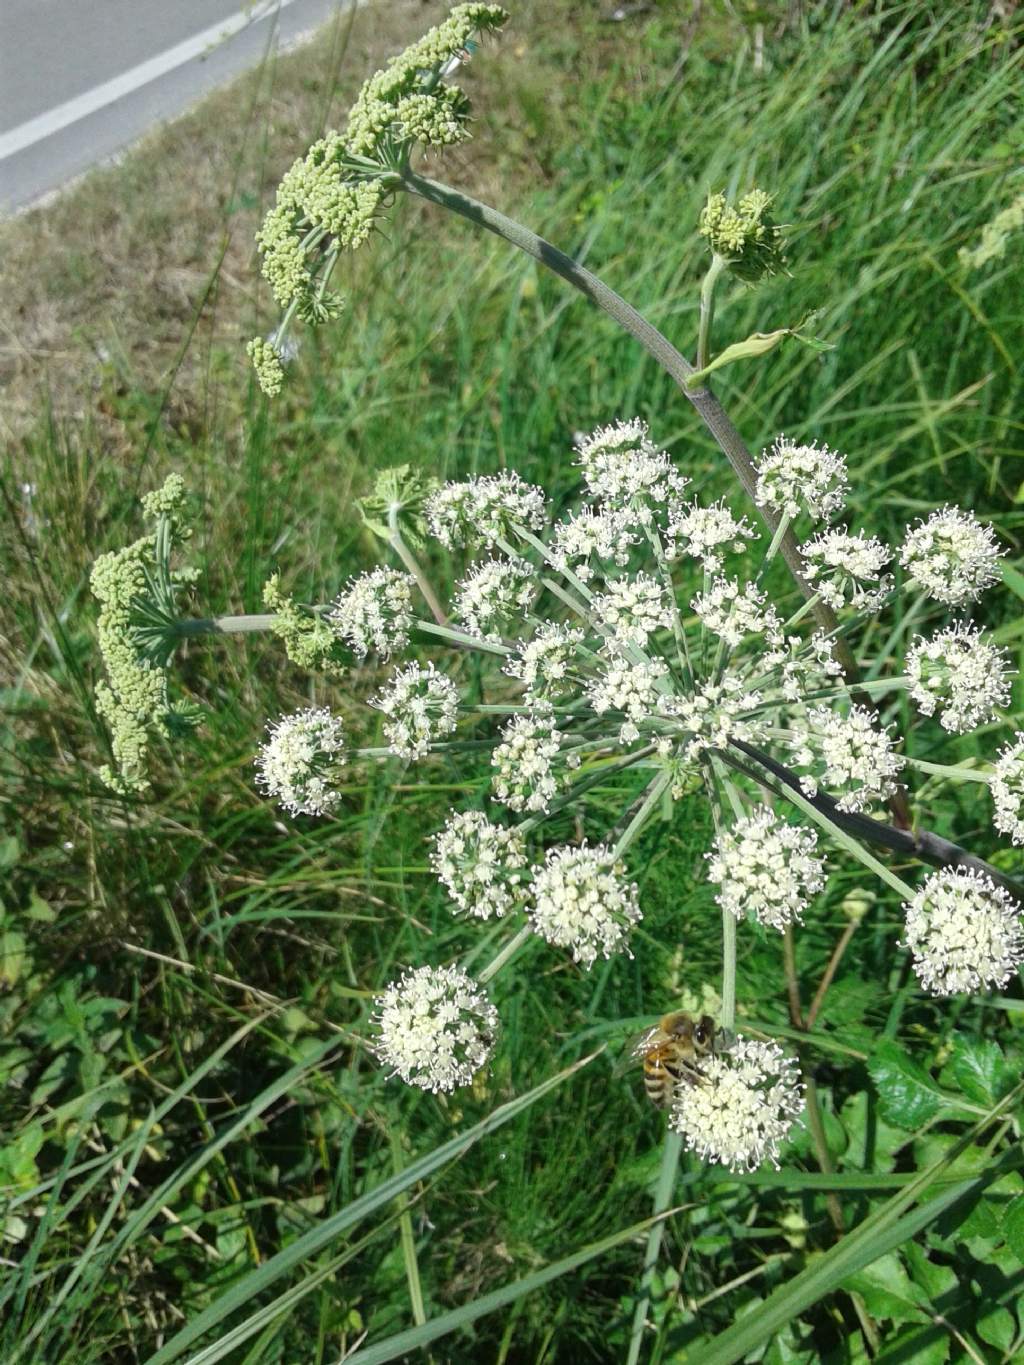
[(1013, 1227), (980, 1070), (995, 1326), (907, 1095), (888, 1291), (936, 1280)]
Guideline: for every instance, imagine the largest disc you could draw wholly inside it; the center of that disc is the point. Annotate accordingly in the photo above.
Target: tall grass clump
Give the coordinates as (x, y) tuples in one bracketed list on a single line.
[(503, 721)]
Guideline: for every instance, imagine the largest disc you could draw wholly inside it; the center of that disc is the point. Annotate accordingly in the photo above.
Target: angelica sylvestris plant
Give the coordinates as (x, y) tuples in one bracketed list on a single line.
[(640, 644)]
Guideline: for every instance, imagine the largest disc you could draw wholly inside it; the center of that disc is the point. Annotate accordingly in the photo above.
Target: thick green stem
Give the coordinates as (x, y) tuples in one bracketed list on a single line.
[(415, 568), (505, 955), (224, 625)]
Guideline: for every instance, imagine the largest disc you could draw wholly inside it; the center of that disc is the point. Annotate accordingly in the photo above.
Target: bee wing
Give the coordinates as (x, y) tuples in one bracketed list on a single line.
[(633, 1052)]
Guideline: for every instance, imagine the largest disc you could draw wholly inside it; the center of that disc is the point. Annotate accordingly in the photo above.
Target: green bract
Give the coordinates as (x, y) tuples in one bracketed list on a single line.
[(330, 199)]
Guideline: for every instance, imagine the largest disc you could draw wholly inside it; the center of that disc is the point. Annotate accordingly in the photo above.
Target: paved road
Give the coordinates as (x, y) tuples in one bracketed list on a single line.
[(81, 79)]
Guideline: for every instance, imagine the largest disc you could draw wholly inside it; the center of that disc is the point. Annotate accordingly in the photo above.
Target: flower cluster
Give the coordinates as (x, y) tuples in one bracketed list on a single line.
[(375, 612), (436, 1028), (331, 198), (1008, 790), (603, 533), (964, 932), (300, 763), (137, 593), (529, 767), (493, 596), (743, 1107), (702, 532), (480, 864), (959, 676), (633, 609), (544, 662), (794, 478), (483, 510), (858, 756), (847, 569), (580, 901), (623, 469), (733, 610), (420, 706), (766, 868), (951, 556)]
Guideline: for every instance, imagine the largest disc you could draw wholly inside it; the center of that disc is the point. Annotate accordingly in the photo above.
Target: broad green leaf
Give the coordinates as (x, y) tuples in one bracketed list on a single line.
[(996, 1326), (980, 1070), (1013, 1227), (313, 1241), (1013, 579), (936, 1280), (888, 1291), (907, 1095)]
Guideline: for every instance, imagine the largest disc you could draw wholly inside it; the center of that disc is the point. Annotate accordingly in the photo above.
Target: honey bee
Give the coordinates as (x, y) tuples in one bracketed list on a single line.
[(671, 1053)]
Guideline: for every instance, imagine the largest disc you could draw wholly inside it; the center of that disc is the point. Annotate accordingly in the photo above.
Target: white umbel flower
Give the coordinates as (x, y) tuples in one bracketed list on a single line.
[(479, 864), (436, 1028), (544, 663), (960, 676), (604, 533), (733, 611), (847, 569), (1008, 790), (479, 511), (632, 688), (528, 768), (581, 901), (493, 597), (633, 608), (704, 532), (622, 467), (964, 932), (743, 1106), (766, 868), (859, 758), (375, 612), (300, 763), (794, 478), (420, 706), (952, 556), (714, 714)]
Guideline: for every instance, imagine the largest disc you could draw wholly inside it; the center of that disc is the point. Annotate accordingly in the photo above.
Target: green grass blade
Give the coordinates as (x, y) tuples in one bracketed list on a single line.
[(311, 1242), (415, 1337), (885, 1229)]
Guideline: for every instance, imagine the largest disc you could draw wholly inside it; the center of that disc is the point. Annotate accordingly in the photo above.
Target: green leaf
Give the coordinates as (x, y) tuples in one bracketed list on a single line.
[(907, 1095), (888, 1291), (881, 1232), (995, 1326), (1013, 1227), (1013, 579), (936, 1280), (917, 1346), (757, 344), (980, 1070)]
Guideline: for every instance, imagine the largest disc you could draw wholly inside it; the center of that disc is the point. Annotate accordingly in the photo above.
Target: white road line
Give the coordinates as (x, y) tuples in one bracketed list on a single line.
[(44, 125)]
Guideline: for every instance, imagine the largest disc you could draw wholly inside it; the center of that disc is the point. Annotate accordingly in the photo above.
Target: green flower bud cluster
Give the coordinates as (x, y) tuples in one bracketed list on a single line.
[(405, 102), (330, 199), (267, 364), (744, 234), (127, 583), (309, 640)]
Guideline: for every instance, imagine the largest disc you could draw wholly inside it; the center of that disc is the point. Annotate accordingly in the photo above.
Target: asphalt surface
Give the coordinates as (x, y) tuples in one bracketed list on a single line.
[(82, 79)]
